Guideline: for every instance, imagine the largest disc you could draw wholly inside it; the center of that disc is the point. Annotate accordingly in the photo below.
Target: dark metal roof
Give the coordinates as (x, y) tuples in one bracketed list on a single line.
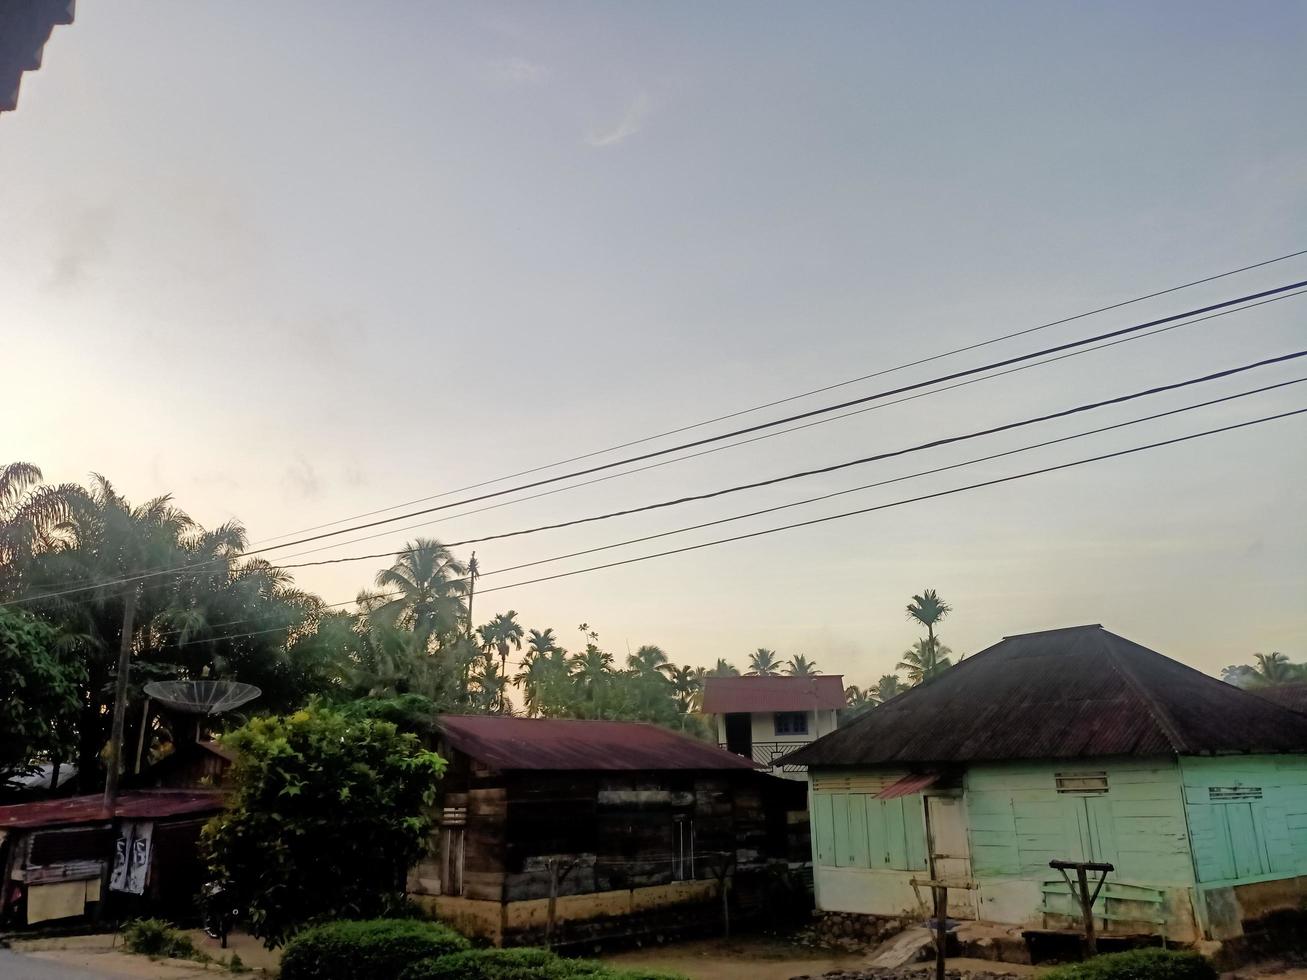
[(722, 695), (25, 27), (136, 805), (556, 743), (1292, 696), (1061, 694)]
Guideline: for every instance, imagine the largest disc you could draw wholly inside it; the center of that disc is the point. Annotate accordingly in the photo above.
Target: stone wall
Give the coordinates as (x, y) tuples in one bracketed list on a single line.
[(851, 930)]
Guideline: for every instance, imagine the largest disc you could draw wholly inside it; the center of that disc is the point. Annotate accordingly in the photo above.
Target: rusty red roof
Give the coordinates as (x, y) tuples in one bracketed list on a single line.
[(1061, 694), (567, 744), (723, 695), (135, 805)]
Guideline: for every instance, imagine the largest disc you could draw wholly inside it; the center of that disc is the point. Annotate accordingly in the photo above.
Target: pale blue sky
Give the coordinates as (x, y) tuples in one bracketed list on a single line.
[(296, 261)]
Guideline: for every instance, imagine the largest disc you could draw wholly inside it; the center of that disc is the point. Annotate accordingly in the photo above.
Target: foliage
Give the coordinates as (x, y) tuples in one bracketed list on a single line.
[(40, 693), (763, 663), (521, 964), (1266, 670), (156, 938), (801, 666), (376, 949), (925, 660), (723, 668), (1138, 964), (328, 812)]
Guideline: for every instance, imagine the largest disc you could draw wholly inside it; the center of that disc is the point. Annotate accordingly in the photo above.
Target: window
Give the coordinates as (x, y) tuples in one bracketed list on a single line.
[(1081, 782), (791, 723), (1226, 794)]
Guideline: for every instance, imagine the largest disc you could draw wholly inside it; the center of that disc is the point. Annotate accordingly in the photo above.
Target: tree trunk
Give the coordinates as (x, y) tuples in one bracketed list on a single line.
[(120, 702)]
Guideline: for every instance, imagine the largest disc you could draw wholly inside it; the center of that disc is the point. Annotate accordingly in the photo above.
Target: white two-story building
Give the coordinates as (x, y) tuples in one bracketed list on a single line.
[(764, 718)]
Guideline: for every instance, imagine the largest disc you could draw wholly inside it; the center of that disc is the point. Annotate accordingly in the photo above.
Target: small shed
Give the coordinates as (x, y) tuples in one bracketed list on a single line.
[(621, 829), (69, 858), (1072, 745)]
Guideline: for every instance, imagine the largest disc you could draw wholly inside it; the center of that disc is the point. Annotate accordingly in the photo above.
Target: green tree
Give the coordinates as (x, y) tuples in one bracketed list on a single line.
[(925, 660), (430, 586), (647, 661), (763, 663), (502, 634), (801, 666), (687, 683), (889, 686), (724, 668), (40, 687), (929, 610), (1275, 668), (326, 815)]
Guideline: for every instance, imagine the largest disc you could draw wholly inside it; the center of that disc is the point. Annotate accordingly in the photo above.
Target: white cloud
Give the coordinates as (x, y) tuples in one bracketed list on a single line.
[(517, 71), (631, 122)]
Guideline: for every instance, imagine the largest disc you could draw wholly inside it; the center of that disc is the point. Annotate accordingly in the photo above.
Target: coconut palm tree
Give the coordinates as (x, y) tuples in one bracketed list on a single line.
[(723, 668), (542, 643), (925, 660), (592, 672), (763, 663), (801, 666), (889, 686), (1274, 668), (647, 661), (492, 689), (428, 585)]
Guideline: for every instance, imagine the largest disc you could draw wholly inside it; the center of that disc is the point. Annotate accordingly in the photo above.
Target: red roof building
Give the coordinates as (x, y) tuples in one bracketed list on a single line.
[(765, 718)]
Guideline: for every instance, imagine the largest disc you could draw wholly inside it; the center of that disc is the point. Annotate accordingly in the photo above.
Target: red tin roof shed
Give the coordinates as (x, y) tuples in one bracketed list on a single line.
[(135, 805)]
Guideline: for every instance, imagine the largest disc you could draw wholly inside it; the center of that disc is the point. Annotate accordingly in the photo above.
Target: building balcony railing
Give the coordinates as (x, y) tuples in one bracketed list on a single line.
[(766, 754)]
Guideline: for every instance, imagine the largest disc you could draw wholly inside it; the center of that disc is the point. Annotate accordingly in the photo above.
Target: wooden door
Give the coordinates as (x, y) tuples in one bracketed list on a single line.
[(950, 855)]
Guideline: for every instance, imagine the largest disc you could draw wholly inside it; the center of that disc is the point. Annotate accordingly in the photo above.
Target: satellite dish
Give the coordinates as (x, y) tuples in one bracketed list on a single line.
[(202, 697)]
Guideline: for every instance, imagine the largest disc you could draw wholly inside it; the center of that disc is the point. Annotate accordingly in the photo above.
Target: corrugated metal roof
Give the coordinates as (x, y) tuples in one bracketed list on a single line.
[(565, 744), (1068, 693), (25, 27), (1292, 696), (136, 805), (722, 695)]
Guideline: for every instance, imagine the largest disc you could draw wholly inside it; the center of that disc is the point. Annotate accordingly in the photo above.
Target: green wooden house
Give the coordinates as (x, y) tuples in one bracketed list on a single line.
[(1075, 745)]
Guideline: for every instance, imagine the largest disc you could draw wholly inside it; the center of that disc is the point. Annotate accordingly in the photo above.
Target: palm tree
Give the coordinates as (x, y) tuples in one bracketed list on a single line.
[(763, 663), (500, 634), (647, 661), (1274, 668), (801, 666), (723, 668), (888, 687), (859, 699), (928, 609), (492, 689), (686, 683), (925, 660), (430, 585), (542, 643), (591, 671)]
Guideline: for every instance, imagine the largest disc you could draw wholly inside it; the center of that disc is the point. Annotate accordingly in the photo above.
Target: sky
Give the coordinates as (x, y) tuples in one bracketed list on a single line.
[(296, 262)]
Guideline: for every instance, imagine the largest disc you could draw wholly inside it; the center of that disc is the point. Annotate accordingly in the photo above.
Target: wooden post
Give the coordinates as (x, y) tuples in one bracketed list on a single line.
[(1087, 910), (120, 702), (140, 737), (941, 928), (552, 865)]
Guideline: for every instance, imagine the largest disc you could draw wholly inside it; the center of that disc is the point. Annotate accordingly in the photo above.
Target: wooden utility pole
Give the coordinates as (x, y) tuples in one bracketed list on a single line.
[(472, 572), (941, 929), (120, 702)]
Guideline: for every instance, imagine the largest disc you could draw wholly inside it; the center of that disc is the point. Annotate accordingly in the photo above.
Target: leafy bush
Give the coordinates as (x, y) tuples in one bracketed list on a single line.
[(521, 964), (326, 816), (1138, 964), (156, 938), (376, 949)]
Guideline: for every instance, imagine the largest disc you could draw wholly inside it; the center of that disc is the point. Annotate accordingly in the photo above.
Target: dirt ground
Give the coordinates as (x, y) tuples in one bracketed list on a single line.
[(759, 959), (103, 955)]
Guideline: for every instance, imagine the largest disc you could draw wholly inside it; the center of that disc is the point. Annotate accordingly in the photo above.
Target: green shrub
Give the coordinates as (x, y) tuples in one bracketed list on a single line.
[(156, 938), (375, 949), (1138, 964), (520, 964)]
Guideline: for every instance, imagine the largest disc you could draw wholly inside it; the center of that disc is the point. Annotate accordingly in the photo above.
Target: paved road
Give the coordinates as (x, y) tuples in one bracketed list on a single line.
[(14, 966)]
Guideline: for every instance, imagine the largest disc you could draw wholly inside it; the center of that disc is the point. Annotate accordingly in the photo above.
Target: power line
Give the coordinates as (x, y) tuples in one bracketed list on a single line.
[(817, 471), (1279, 291), (772, 435), (817, 499), (900, 503), (804, 394)]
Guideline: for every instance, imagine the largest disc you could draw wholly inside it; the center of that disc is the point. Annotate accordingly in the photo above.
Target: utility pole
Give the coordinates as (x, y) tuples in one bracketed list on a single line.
[(120, 702)]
